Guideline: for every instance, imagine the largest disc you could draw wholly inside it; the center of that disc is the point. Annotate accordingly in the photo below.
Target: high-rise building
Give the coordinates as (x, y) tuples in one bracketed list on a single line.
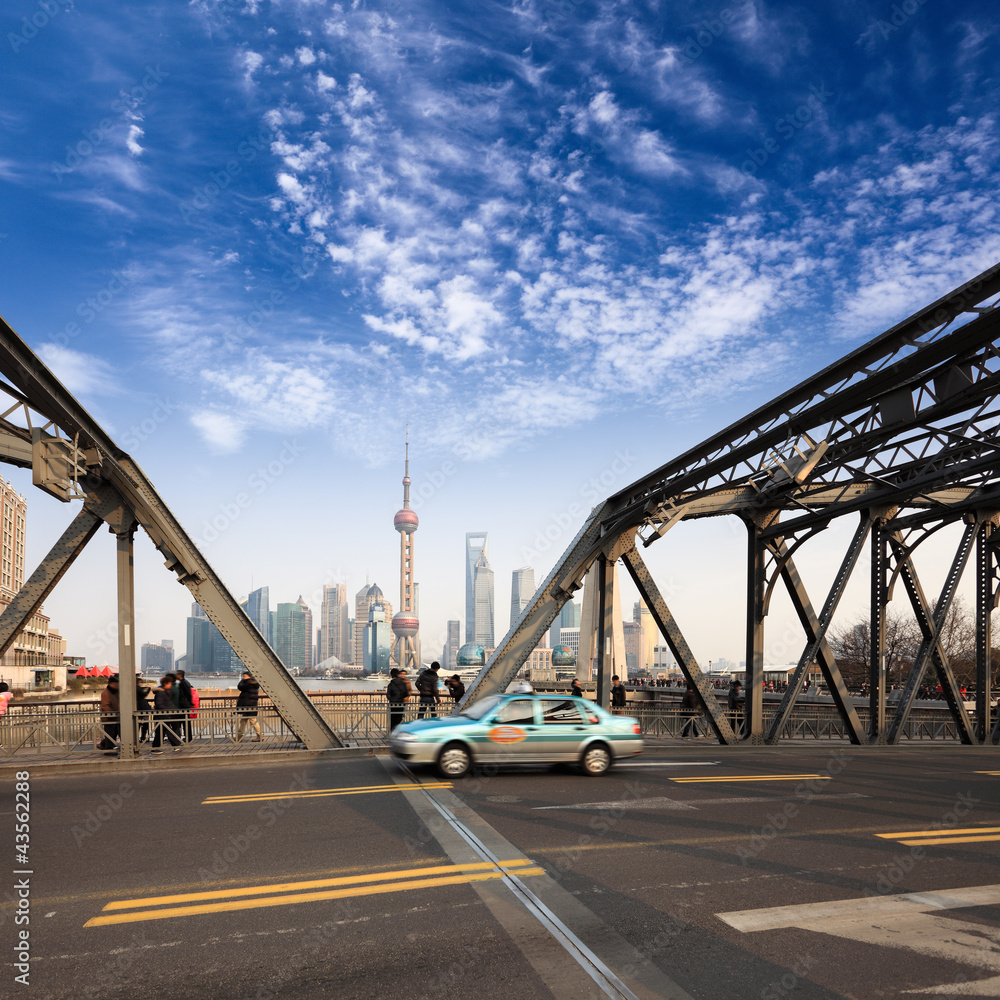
[(334, 638), (522, 589), (650, 633), (405, 623), (308, 649), (155, 658), (483, 624), (476, 545), (199, 643), (452, 644), (13, 512), (378, 640), (632, 633), (290, 635), (258, 609), (569, 617), (363, 601)]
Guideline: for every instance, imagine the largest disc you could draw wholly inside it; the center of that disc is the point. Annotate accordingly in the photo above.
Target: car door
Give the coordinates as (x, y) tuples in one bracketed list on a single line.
[(563, 729), (510, 733)]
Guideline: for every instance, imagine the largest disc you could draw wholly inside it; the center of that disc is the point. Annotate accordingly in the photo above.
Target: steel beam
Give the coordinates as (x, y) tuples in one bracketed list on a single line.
[(670, 631), (876, 661), (824, 655), (50, 570), (986, 602), (753, 706), (816, 630), (930, 624), (126, 641), (605, 629)]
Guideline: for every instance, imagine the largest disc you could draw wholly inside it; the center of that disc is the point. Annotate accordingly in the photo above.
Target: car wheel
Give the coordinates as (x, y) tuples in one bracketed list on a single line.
[(454, 761), (596, 759)]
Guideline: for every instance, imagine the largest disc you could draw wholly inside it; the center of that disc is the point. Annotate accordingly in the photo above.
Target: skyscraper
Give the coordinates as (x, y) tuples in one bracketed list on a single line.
[(482, 630), (156, 658), (377, 639), (334, 635), (13, 511), (405, 623), (290, 635), (569, 617), (650, 633), (522, 589), (309, 649), (363, 601), (476, 544), (452, 644), (258, 608)]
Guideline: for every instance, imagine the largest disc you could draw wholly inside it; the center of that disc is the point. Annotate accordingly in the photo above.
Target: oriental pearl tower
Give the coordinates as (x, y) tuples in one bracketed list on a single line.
[(405, 624)]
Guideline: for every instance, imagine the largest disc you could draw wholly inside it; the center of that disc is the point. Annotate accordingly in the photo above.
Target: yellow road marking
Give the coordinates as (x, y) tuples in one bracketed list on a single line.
[(262, 890), (988, 772), (939, 832), (753, 777), (305, 897), (950, 840), (320, 793)]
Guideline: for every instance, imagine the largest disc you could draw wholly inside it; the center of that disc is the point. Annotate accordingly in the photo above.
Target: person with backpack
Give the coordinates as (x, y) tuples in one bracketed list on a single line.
[(427, 686), (246, 706), (185, 701), (397, 691)]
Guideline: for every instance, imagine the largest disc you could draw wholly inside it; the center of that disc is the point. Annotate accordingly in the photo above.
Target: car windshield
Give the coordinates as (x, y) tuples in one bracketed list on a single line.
[(480, 708)]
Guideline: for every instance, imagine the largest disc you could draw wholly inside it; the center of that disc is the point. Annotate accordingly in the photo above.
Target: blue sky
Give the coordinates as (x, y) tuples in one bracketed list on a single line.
[(549, 233)]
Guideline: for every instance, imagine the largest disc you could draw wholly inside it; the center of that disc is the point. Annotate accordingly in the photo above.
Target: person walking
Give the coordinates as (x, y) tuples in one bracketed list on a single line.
[(689, 706), (734, 702), (142, 704), (163, 703), (111, 715), (617, 692), (427, 686), (246, 706), (5, 699), (397, 691), (576, 688), (185, 702)]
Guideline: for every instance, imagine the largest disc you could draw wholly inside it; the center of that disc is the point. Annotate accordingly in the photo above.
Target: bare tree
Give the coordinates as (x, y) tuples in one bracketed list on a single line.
[(851, 645)]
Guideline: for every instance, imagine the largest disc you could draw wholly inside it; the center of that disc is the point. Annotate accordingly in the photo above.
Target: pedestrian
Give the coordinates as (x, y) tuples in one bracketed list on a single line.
[(110, 716), (733, 702), (576, 688), (5, 698), (185, 702), (163, 725), (427, 686), (457, 688), (246, 706), (617, 693), (396, 691), (690, 707), (142, 704)]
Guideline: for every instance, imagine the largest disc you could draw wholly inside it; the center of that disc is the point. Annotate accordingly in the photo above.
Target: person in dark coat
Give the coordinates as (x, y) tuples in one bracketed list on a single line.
[(185, 702), (110, 715), (617, 692), (576, 688), (163, 704), (246, 706), (397, 691), (690, 708), (143, 704), (734, 702), (427, 685), (456, 687)]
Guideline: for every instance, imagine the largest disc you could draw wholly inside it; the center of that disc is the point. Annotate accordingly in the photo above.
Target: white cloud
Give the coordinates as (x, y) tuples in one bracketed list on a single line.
[(132, 141), (83, 374), (220, 431)]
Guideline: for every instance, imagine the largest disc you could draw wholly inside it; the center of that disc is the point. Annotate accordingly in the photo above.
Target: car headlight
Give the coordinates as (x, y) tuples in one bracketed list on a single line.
[(404, 737)]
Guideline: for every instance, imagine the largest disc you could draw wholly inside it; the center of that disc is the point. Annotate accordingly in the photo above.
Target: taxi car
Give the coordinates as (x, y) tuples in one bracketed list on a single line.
[(519, 729)]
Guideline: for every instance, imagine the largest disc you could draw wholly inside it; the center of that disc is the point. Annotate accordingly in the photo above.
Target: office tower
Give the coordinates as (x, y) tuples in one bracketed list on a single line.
[(634, 662), (258, 609), (650, 633), (317, 659), (334, 637), (377, 640), (363, 601), (169, 643), (483, 631), (290, 635), (405, 623), (156, 658), (224, 660), (452, 644), (14, 511), (476, 545), (308, 650), (199, 642), (569, 617), (522, 589)]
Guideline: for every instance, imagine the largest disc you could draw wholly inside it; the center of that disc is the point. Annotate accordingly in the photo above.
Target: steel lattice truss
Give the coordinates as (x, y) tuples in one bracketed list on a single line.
[(43, 428), (903, 432)]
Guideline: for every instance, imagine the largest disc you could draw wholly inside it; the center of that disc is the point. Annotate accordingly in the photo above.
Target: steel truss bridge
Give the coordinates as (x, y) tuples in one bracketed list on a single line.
[(902, 434)]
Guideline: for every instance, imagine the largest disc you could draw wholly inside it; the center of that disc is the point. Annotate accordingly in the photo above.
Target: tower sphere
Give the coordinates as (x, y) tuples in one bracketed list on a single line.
[(406, 521), (405, 624), (563, 656)]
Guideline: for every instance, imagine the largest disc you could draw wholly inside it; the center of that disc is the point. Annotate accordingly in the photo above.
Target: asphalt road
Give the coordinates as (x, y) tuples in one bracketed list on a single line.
[(699, 872)]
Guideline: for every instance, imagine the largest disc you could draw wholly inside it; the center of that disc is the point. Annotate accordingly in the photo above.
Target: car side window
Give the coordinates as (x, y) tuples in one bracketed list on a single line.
[(517, 713), (561, 713)]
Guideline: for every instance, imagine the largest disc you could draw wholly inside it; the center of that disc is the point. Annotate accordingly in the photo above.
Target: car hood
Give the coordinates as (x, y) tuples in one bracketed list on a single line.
[(423, 725)]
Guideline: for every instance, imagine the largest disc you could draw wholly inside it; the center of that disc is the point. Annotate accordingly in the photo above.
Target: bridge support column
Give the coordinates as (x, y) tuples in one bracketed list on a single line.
[(876, 656), (126, 640), (753, 725), (986, 601)]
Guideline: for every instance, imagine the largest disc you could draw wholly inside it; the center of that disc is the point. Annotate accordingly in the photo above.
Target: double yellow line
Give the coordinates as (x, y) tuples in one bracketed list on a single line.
[(970, 835), (319, 793), (189, 904), (752, 777)]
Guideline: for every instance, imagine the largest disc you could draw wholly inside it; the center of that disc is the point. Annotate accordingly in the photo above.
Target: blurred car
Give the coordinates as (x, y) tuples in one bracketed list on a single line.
[(519, 729)]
